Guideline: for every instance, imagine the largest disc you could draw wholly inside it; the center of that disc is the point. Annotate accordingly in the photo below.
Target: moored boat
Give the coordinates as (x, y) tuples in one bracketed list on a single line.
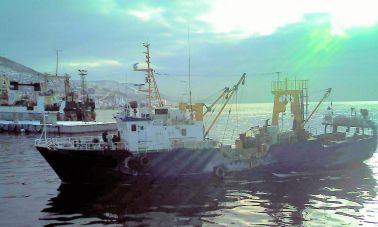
[(156, 142)]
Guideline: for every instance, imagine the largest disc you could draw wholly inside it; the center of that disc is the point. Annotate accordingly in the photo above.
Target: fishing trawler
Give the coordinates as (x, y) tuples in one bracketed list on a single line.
[(152, 140), (29, 101), (23, 103), (156, 141)]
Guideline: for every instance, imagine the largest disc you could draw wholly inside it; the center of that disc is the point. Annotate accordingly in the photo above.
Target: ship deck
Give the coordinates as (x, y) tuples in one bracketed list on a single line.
[(61, 127)]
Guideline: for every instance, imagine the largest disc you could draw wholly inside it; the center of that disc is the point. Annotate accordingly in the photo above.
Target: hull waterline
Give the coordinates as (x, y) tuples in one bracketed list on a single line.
[(75, 166)]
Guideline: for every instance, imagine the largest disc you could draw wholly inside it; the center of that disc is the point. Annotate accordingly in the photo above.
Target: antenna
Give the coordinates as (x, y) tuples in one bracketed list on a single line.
[(83, 73), (278, 75), (57, 61), (189, 75)]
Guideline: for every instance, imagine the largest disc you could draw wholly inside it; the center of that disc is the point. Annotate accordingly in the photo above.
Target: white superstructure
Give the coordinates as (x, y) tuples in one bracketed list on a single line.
[(162, 129)]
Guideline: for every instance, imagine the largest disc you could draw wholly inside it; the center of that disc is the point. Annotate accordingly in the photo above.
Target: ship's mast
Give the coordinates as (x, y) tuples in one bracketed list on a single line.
[(83, 73), (189, 75), (153, 95), (57, 62)]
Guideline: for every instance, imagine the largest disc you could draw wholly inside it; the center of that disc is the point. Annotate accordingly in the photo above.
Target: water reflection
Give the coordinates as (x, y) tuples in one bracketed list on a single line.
[(296, 200), (142, 203), (338, 195)]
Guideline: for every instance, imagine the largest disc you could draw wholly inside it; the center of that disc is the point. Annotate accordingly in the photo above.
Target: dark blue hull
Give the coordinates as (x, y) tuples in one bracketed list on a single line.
[(104, 166), (313, 155), (75, 166)]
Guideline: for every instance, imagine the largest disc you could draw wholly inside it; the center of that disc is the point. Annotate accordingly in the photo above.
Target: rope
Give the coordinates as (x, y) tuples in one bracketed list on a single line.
[(209, 117), (212, 95), (237, 111), (228, 117)]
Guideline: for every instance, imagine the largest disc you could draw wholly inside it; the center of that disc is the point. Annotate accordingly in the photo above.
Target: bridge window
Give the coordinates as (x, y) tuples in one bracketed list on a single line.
[(133, 127)]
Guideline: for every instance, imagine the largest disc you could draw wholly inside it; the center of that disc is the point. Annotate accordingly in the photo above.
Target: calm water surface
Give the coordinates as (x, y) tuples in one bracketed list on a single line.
[(32, 195)]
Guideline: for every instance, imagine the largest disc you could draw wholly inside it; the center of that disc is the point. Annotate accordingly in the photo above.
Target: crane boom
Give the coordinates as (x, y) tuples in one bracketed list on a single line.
[(233, 90), (66, 78), (327, 93), (226, 90)]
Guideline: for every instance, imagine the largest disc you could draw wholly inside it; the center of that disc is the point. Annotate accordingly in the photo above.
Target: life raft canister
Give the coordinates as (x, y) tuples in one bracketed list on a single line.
[(52, 147), (144, 161), (131, 163), (220, 171)]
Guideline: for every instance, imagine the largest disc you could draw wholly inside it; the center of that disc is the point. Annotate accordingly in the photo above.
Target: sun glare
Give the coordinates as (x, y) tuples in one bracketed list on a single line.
[(247, 18)]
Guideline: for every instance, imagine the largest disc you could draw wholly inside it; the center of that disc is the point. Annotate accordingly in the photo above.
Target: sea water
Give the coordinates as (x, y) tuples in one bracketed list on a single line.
[(32, 195)]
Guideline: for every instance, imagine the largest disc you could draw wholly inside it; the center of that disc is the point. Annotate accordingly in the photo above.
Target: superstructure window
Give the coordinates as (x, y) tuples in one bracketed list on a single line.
[(161, 111), (183, 131), (133, 127)]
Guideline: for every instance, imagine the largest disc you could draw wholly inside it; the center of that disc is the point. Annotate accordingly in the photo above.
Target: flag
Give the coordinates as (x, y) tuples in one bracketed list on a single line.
[(135, 66)]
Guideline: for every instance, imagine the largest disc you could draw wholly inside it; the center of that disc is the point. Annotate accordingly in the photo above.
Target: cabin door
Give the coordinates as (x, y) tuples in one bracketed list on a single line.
[(143, 142)]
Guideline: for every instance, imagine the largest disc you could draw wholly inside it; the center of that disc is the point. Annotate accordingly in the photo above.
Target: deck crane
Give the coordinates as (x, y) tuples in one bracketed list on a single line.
[(229, 96), (66, 78), (327, 93), (226, 90)]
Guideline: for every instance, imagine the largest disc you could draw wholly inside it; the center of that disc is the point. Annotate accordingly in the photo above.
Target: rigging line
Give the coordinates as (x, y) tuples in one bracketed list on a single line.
[(317, 92), (233, 131), (225, 129), (232, 135), (228, 118), (220, 118), (221, 102), (212, 95), (209, 117), (237, 111)]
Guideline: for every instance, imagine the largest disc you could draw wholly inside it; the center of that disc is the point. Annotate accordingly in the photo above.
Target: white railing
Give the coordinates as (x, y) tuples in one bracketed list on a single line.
[(312, 131), (80, 143)]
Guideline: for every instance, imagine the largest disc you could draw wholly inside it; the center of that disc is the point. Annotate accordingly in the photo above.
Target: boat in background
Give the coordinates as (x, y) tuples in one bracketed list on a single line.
[(23, 105), (156, 142)]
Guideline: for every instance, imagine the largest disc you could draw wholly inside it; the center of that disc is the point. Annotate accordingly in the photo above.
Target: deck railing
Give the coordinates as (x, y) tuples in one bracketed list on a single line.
[(80, 143), (284, 85)]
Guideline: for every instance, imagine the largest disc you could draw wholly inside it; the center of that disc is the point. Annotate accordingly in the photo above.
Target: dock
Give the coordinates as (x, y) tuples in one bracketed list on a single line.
[(60, 127)]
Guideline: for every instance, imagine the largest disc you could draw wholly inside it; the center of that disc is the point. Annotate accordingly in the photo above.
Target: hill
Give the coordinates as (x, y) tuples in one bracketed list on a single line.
[(106, 93)]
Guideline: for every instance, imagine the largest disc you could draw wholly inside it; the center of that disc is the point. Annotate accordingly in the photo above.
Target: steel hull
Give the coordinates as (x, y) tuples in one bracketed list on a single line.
[(77, 166)]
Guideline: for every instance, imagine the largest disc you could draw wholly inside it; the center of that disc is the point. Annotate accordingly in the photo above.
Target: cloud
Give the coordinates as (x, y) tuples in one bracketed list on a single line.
[(146, 13), (93, 64), (304, 38), (243, 19)]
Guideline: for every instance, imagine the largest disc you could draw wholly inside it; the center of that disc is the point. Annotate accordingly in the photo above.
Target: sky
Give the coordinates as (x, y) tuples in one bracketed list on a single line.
[(332, 43)]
